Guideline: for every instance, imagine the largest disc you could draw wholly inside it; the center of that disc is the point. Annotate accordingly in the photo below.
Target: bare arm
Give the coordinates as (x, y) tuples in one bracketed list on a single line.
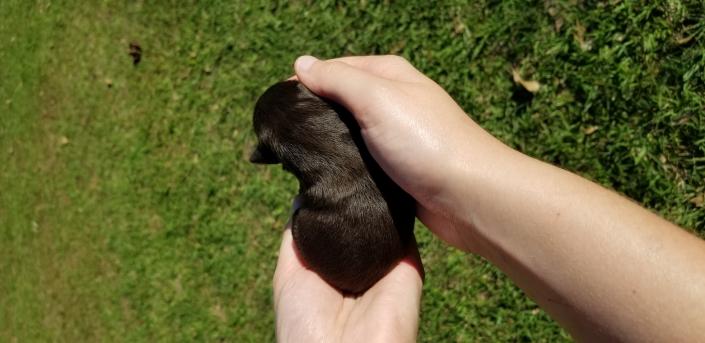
[(602, 266)]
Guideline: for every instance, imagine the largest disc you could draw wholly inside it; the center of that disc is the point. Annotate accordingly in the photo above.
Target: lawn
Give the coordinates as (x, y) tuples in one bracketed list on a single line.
[(128, 211)]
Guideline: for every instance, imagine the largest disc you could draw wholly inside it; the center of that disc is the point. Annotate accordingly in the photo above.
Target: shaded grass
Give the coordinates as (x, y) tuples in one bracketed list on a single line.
[(128, 213)]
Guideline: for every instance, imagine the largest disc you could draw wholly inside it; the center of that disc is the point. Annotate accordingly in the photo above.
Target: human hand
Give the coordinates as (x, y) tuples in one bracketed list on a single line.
[(421, 138), (310, 310), (605, 268)]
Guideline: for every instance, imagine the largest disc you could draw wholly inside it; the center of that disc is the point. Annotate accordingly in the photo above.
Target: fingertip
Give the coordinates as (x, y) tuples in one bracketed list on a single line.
[(413, 260), (303, 63), (286, 262)]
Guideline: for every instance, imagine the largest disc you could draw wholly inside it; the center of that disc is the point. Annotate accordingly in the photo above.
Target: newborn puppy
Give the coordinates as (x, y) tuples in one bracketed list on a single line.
[(354, 223)]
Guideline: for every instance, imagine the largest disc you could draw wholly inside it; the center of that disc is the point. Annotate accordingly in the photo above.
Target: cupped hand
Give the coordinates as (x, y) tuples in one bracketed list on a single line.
[(416, 132), (308, 309)]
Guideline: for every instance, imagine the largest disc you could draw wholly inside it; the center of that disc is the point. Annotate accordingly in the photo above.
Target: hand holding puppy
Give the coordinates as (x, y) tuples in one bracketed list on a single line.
[(602, 266)]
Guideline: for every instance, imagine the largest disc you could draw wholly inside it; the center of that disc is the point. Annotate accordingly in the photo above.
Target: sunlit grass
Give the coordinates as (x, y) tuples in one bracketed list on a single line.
[(128, 211)]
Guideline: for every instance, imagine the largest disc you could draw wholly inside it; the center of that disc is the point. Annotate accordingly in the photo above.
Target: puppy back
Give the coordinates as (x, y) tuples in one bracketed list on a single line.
[(354, 223)]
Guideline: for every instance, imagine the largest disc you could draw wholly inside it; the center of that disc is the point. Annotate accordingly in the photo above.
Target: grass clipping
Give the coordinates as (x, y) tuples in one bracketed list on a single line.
[(529, 85)]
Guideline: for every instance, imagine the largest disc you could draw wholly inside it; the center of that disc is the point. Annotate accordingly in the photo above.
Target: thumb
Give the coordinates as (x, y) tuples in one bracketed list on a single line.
[(338, 81)]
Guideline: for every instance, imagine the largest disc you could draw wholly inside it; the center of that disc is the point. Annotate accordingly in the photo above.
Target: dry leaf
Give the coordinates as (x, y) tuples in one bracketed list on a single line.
[(554, 12), (684, 120), (683, 40), (458, 26), (579, 33), (531, 86), (579, 36), (590, 129), (63, 140), (698, 200), (557, 24)]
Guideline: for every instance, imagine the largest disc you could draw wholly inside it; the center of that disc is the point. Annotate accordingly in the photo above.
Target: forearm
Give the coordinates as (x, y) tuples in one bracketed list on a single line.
[(598, 263)]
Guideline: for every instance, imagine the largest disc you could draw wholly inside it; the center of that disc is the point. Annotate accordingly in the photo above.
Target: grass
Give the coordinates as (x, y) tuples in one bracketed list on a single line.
[(128, 212)]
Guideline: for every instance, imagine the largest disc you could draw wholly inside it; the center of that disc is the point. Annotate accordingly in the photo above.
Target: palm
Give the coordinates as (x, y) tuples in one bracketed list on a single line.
[(310, 310)]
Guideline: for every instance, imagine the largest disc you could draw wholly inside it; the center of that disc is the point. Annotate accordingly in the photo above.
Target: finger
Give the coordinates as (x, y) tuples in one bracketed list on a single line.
[(387, 66), (408, 275), (407, 279), (410, 268), (413, 258), (399, 294), (287, 262), (345, 84), (287, 252)]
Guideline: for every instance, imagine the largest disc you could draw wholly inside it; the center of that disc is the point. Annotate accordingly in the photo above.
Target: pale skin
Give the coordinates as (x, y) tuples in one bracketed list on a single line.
[(602, 266)]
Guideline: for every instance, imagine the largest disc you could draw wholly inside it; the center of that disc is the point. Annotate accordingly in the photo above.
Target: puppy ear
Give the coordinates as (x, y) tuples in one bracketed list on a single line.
[(263, 155)]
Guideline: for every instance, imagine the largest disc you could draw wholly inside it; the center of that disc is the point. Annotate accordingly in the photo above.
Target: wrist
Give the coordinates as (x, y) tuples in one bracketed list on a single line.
[(480, 169)]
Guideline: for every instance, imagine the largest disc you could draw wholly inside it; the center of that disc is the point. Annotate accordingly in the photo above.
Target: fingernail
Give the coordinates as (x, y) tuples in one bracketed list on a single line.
[(304, 63)]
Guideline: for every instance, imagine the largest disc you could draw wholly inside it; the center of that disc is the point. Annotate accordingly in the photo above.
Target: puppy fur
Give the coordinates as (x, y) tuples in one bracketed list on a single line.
[(354, 223)]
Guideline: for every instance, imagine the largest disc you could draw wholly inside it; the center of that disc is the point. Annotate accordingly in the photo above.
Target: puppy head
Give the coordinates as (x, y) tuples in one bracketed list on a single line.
[(273, 121), (268, 112), (291, 122)]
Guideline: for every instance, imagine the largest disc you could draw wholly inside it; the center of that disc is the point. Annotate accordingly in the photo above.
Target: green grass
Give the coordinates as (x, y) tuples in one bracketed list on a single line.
[(129, 213)]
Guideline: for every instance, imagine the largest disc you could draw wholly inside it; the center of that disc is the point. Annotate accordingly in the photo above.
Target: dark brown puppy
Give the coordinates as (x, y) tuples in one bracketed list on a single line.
[(354, 223)]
